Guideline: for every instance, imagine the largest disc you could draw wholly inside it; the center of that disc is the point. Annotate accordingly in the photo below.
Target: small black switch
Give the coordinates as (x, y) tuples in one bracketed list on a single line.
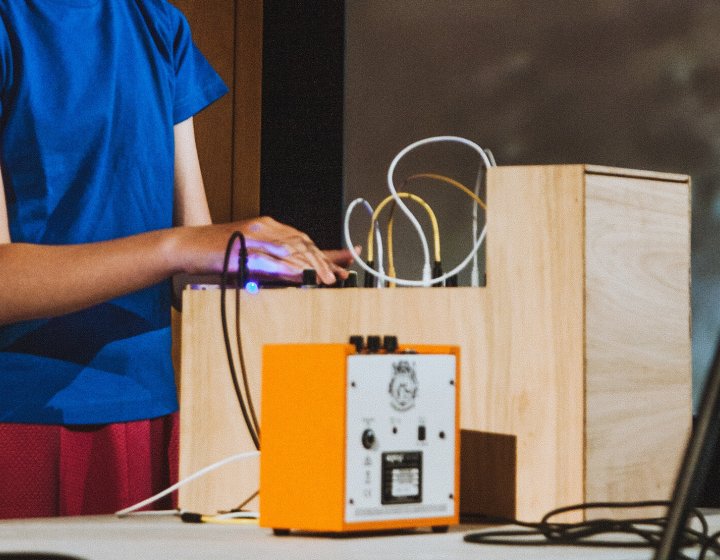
[(368, 438), (421, 433)]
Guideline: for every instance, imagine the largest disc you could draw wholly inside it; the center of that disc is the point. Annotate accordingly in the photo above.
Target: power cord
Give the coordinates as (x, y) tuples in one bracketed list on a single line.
[(248, 411), (183, 482), (246, 501), (242, 279), (191, 517), (236, 516), (649, 530)]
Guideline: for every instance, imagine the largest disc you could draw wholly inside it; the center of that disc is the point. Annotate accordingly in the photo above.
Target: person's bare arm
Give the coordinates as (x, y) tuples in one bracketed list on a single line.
[(191, 207), (42, 281), (4, 227)]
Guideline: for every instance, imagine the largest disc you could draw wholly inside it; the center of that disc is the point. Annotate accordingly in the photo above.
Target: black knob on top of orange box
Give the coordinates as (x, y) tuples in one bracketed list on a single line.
[(358, 342), (373, 344), (390, 344)]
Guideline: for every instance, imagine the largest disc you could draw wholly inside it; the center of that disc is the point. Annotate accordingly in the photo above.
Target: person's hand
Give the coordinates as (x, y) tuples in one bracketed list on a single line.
[(274, 250), (341, 257), (277, 249)]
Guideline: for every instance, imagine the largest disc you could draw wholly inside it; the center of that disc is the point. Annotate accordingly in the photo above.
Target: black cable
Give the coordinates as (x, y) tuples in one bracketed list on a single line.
[(584, 533), (711, 543), (226, 339), (242, 278), (246, 501)]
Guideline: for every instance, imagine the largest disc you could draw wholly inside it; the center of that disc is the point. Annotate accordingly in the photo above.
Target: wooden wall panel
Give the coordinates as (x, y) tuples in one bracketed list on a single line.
[(229, 33), (248, 101), (213, 26)]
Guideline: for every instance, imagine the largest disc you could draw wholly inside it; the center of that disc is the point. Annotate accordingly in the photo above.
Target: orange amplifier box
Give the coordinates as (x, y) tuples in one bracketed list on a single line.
[(359, 440)]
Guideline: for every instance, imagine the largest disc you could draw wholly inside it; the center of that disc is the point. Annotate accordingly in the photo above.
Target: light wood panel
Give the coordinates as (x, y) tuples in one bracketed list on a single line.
[(638, 327), (210, 432), (578, 346), (535, 280)]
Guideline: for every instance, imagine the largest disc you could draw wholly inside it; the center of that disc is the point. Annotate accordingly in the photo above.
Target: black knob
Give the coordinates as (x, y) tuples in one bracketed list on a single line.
[(390, 343), (373, 344), (357, 341), (309, 278), (351, 280), (369, 279), (368, 439)]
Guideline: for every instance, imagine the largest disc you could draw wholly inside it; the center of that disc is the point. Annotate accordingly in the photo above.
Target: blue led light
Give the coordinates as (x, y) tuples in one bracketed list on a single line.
[(252, 288)]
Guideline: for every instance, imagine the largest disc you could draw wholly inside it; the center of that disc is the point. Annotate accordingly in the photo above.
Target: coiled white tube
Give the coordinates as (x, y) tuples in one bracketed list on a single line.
[(427, 270), (402, 281)]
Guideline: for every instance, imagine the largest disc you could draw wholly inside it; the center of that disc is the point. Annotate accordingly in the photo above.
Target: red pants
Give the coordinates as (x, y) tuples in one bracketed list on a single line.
[(83, 470)]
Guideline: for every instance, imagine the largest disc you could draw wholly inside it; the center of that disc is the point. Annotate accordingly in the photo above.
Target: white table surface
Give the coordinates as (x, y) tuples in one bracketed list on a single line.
[(109, 538)]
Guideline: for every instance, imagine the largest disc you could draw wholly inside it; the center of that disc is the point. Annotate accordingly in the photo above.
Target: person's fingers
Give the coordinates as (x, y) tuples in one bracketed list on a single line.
[(297, 245), (341, 257), (293, 265), (325, 269), (264, 265), (313, 258), (284, 251), (267, 229), (281, 243)]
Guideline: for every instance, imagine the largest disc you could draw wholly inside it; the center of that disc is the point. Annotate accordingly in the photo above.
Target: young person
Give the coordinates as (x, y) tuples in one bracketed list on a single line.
[(101, 202)]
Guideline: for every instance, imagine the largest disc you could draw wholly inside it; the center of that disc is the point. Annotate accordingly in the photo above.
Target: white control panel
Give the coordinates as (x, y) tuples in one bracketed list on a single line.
[(400, 436)]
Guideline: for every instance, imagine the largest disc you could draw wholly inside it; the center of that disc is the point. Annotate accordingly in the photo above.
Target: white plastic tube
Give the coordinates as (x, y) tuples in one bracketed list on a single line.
[(427, 270), (402, 281), (409, 214)]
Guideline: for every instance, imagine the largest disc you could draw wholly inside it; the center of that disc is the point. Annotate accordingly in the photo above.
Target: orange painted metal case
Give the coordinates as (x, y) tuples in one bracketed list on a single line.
[(359, 442)]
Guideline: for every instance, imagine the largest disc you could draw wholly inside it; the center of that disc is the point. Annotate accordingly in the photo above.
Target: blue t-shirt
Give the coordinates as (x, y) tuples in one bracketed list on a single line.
[(89, 93)]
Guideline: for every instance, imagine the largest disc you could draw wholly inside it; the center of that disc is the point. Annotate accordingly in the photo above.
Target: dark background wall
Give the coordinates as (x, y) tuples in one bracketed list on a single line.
[(627, 83), (302, 116)]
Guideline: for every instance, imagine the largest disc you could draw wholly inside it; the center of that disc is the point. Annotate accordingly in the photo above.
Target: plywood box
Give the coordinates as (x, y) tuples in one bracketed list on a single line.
[(579, 345)]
